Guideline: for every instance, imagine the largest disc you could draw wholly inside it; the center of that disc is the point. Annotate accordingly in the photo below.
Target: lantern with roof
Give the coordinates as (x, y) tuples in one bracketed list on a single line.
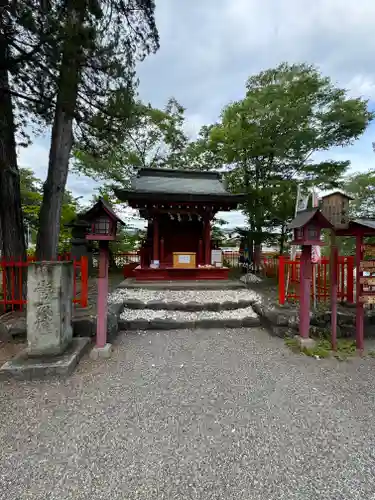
[(102, 222), (307, 227)]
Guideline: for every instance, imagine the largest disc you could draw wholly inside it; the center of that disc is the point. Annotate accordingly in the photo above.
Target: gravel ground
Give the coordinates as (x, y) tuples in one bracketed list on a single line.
[(149, 314), (203, 414), (182, 296)]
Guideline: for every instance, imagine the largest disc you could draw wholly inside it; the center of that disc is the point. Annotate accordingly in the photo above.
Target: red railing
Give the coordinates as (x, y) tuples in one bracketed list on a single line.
[(270, 267), (289, 271), (11, 282), (123, 258), (231, 258)]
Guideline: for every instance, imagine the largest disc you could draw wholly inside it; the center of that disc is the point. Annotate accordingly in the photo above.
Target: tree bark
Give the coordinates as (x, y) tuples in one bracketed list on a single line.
[(61, 141), (282, 239), (12, 235), (11, 220)]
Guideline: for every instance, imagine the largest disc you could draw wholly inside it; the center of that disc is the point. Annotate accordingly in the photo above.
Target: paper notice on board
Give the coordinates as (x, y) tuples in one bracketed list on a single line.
[(216, 256), (184, 259)]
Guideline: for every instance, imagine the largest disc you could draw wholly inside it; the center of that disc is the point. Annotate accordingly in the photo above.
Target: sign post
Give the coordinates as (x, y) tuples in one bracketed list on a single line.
[(365, 295)]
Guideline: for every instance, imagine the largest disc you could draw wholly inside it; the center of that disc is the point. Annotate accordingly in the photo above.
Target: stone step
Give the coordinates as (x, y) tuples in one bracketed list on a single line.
[(150, 319), (184, 300), (183, 285), (159, 305)]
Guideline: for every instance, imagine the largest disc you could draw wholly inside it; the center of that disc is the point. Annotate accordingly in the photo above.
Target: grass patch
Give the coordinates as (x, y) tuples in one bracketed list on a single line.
[(292, 344), (322, 349)]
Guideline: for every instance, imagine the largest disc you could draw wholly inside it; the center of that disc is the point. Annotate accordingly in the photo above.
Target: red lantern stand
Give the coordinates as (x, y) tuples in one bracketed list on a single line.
[(103, 226), (307, 228)]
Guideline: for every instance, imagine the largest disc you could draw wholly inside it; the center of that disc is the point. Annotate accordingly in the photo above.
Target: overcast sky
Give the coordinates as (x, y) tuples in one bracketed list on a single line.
[(210, 47)]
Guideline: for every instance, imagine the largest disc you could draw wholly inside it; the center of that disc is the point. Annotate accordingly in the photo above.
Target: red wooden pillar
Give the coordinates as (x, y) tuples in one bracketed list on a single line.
[(162, 250), (305, 288), (281, 280), (334, 270), (155, 250), (350, 280), (207, 241), (200, 252), (359, 311), (101, 322)]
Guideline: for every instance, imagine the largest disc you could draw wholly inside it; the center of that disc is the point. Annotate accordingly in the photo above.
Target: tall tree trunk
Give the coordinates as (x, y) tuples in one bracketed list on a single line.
[(11, 220), (61, 141), (282, 239), (12, 242), (258, 215)]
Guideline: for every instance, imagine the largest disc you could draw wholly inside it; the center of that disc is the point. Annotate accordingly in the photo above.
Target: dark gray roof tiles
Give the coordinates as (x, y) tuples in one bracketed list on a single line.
[(178, 181), (304, 217), (370, 223)]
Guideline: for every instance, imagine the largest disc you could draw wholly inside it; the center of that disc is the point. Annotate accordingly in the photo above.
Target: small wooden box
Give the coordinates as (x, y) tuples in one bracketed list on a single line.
[(184, 260)]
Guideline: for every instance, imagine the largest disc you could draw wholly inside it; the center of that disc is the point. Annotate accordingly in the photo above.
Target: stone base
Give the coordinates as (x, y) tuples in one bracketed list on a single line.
[(308, 342), (24, 367), (101, 352)]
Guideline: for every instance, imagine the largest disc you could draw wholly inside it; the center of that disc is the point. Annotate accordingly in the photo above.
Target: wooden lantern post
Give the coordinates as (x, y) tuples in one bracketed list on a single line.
[(335, 207), (307, 228), (103, 226)]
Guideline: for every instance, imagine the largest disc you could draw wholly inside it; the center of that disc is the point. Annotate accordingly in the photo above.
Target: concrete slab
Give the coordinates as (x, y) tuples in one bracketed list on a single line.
[(25, 367), (183, 285), (101, 352), (307, 343)]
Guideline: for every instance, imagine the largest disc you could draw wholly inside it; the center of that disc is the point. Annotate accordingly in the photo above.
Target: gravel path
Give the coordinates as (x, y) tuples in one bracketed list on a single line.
[(201, 414)]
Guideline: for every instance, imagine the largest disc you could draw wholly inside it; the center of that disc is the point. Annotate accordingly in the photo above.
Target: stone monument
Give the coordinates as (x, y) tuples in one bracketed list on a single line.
[(51, 349), (49, 307)]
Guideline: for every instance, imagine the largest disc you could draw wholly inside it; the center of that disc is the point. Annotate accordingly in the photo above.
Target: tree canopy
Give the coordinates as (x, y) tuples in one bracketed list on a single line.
[(154, 138), (268, 140)]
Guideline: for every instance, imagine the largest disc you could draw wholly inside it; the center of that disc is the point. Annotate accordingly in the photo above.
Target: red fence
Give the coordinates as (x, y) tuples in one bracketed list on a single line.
[(268, 265), (11, 296), (289, 271), (123, 258)]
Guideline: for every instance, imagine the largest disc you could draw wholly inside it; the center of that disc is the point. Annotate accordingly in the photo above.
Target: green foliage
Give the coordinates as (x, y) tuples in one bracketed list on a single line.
[(154, 138), (267, 139), (361, 186), (217, 233), (71, 66), (322, 348), (31, 199), (128, 240)]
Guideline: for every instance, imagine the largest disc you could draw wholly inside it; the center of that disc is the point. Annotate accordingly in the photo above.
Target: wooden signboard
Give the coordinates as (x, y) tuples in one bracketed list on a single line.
[(369, 250), (184, 259), (367, 299), (367, 281), (367, 265)]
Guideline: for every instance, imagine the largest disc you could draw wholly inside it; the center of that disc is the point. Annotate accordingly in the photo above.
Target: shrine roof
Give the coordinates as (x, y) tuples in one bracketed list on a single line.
[(337, 192), (179, 184), (306, 216), (370, 223), (99, 206)]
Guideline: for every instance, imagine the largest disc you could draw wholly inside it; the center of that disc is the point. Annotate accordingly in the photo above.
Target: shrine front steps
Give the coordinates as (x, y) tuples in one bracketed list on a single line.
[(183, 285), (157, 315)]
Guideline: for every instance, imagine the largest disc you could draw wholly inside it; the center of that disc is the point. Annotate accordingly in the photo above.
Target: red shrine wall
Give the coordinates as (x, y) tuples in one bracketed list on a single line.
[(179, 236)]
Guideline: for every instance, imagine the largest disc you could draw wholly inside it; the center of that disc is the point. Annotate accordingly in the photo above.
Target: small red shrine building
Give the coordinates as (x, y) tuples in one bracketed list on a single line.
[(179, 206)]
